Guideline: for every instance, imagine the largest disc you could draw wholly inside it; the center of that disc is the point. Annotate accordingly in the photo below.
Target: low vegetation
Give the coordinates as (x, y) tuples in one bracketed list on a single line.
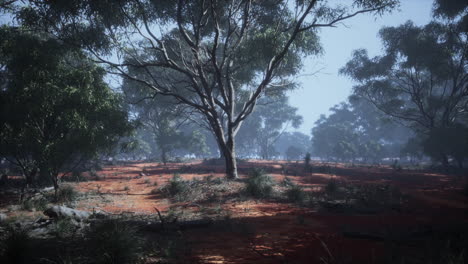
[(115, 242), (66, 194), (296, 194), (259, 184), (16, 247)]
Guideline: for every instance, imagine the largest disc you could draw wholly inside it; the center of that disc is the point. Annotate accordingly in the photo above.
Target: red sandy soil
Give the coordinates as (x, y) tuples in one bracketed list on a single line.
[(272, 232)]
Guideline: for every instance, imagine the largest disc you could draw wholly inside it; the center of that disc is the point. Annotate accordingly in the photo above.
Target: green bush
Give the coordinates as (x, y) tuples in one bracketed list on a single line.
[(39, 204), (287, 182), (115, 242), (177, 185), (296, 194), (259, 184), (66, 194), (63, 227), (332, 186)]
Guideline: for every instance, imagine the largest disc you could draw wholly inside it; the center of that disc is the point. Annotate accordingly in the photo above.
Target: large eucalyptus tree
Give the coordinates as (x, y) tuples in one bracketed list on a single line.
[(216, 56)]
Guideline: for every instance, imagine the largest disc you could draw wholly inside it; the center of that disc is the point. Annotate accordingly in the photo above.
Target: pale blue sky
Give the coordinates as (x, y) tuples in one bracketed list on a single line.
[(319, 92), (325, 89)]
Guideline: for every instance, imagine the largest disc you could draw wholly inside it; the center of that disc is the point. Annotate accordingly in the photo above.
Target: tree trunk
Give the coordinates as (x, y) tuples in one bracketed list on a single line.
[(444, 160), (230, 158), (231, 165), (56, 185), (460, 162), (164, 156)]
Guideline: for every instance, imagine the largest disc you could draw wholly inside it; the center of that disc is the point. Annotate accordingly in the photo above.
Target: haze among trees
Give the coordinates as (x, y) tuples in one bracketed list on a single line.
[(192, 81), (202, 54), (162, 131), (421, 80)]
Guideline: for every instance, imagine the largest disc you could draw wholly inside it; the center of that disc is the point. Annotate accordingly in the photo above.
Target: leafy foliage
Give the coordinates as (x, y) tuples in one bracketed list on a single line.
[(205, 55), (357, 131), (177, 185), (56, 109), (66, 194), (427, 93)]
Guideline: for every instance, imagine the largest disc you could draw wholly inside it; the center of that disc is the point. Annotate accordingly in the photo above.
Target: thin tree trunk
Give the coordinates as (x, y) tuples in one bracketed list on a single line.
[(56, 185), (444, 160), (164, 156), (460, 163)]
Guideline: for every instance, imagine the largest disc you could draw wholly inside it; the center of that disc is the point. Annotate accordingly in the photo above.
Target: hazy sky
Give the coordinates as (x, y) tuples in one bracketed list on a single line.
[(325, 89)]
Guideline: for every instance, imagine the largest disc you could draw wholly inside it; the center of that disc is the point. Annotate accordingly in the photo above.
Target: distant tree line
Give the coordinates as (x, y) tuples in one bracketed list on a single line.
[(202, 88), (420, 82)]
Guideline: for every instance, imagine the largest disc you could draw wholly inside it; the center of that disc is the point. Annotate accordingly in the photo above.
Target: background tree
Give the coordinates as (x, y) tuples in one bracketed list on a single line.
[(294, 153), (422, 77), (412, 149), (296, 140), (208, 48), (357, 131), (270, 120), (56, 109)]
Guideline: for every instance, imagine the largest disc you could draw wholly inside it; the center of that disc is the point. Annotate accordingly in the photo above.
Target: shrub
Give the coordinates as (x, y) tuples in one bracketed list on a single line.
[(126, 188), (39, 204), (115, 242), (296, 194), (217, 181), (76, 176), (326, 169), (97, 165), (172, 247), (92, 173), (259, 184), (209, 178), (66, 194), (396, 166), (63, 227), (287, 182), (17, 247), (332, 186), (177, 185)]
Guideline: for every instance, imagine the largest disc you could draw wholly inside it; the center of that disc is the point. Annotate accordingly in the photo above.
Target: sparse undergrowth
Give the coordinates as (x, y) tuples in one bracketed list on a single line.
[(115, 242), (208, 189), (296, 194), (360, 198), (16, 246), (66, 194), (259, 184)]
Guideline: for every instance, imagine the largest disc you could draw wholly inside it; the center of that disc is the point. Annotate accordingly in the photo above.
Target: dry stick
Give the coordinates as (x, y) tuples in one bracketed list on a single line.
[(327, 250), (160, 218)]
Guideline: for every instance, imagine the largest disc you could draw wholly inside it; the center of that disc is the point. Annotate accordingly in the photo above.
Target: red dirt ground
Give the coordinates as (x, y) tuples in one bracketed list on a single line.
[(272, 232)]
